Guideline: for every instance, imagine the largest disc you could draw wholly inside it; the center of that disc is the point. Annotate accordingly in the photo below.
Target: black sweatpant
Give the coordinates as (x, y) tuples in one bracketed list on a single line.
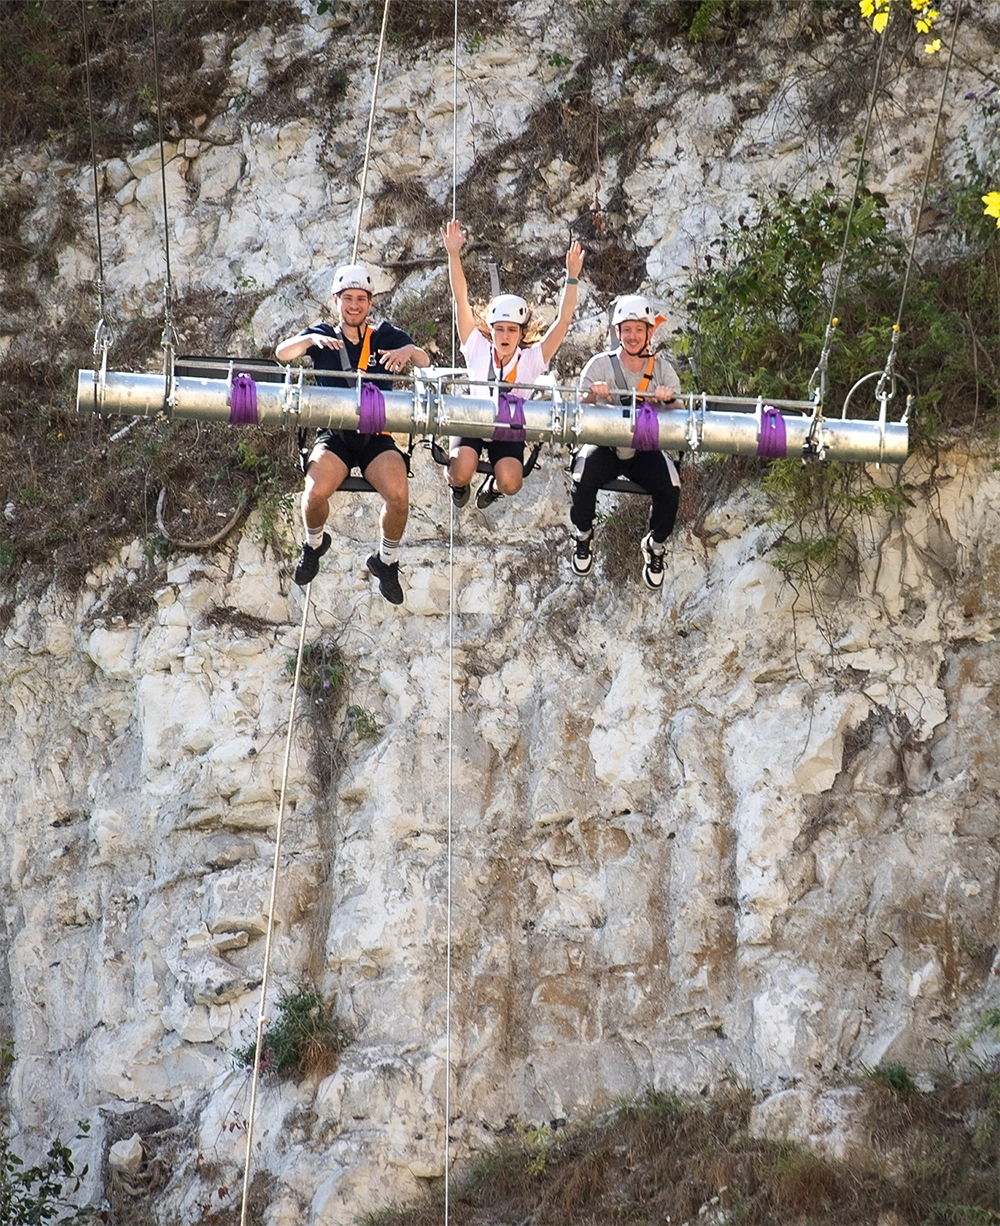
[(646, 468)]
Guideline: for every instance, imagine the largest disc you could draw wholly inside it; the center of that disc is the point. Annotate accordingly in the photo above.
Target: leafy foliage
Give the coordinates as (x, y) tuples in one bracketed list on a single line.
[(38, 1195), (304, 1038), (761, 298)]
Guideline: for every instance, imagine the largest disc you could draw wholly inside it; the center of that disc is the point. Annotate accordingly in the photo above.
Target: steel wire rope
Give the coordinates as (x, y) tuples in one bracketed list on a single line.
[(371, 127), (103, 336), (262, 1014), (888, 376), (930, 160), (873, 95), (818, 378), (168, 339)]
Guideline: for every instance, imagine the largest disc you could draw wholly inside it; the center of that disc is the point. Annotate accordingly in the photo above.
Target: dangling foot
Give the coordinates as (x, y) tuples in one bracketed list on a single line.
[(488, 494), (460, 495), (308, 564), (583, 554), (652, 557), (387, 574)]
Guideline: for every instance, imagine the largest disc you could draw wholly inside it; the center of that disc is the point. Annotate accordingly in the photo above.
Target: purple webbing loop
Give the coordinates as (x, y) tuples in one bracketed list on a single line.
[(243, 401), (371, 412), (772, 444), (646, 435), (510, 419)]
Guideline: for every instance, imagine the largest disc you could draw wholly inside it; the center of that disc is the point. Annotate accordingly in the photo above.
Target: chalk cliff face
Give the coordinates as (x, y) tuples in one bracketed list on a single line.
[(727, 828), (686, 833)]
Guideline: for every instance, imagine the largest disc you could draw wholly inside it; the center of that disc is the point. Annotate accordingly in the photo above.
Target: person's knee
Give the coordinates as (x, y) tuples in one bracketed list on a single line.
[(462, 466), (507, 483)]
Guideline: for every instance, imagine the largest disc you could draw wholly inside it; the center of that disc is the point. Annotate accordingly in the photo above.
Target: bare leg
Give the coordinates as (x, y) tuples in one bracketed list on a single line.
[(387, 474), (325, 474), (462, 464)]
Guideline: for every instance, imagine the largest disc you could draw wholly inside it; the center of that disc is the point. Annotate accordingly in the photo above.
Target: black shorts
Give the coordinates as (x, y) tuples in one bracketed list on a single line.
[(356, 450), (494, 451)]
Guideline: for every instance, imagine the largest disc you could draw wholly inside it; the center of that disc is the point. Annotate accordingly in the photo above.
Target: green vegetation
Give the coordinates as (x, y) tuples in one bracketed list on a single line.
[(305, 1038), (363, 723), (38, 1195), (893, 1077), (760, 304), (334, 722)]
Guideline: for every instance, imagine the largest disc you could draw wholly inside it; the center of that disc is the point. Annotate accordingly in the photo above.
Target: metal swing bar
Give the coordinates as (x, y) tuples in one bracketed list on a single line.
[(725, 425)]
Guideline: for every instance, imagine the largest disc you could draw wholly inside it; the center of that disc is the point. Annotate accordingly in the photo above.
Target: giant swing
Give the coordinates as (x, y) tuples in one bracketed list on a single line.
[(437, 405)]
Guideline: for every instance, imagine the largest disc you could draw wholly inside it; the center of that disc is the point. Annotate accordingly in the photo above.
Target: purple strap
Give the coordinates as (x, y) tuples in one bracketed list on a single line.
[(510, 419), (772, 445), (243, 402), (646, 435), (371, 414)]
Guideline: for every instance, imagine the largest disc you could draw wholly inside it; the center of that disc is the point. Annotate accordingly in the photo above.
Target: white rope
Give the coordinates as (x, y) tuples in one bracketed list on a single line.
[(451, 721), (451, 663), (451, 679), (454, 164), (368, 139), (262, 1015)]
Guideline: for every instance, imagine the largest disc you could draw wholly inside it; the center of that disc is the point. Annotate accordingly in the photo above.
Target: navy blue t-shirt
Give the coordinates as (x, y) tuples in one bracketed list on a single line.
[(385, 336)]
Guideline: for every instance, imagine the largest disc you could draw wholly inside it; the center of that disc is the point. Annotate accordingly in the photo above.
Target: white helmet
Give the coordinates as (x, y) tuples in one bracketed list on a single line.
[(633, 306), (352, 276), (507, 308)]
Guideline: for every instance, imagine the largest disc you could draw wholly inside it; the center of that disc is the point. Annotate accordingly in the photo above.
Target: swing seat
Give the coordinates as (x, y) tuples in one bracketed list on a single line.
[(484, 466)]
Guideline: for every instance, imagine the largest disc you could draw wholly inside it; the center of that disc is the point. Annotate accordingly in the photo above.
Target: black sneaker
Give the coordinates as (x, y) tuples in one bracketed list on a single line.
[(583, 554), (460, 494), (488, 494), (652, 569), (308, 565), (387, 574)]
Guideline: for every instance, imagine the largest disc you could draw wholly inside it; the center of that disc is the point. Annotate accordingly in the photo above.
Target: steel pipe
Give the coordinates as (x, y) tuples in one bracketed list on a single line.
[(426, 409)]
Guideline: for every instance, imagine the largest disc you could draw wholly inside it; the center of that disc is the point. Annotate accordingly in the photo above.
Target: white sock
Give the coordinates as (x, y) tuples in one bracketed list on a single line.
[(388, 550), (314, 537)]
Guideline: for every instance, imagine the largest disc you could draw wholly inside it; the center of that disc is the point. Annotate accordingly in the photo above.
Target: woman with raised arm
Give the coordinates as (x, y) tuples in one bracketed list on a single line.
[(497, 359)]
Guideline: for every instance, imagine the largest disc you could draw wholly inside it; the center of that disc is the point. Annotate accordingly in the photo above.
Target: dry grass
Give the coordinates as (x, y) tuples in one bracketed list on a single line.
[(43, 91), (663, 1159)]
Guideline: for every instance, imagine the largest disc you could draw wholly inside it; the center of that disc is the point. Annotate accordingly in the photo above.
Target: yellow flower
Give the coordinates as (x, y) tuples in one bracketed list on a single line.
[(930, 48), (923, 27), (917, 5), (878, 11), (992, 202)]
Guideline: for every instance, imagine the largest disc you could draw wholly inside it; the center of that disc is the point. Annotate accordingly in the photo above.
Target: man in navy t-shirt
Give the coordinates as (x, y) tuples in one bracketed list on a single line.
[(354, 345)]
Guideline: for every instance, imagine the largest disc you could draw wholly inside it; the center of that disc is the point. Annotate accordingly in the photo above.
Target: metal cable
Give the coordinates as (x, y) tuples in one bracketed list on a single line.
[(262, 1015), (861, 170), (886, 386), (368, 139), (93, 162), (930, 159), (168, 292)]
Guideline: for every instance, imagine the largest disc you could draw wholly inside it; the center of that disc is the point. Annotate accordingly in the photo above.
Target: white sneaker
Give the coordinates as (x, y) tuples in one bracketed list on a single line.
[(652, 569), (583, 554)]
